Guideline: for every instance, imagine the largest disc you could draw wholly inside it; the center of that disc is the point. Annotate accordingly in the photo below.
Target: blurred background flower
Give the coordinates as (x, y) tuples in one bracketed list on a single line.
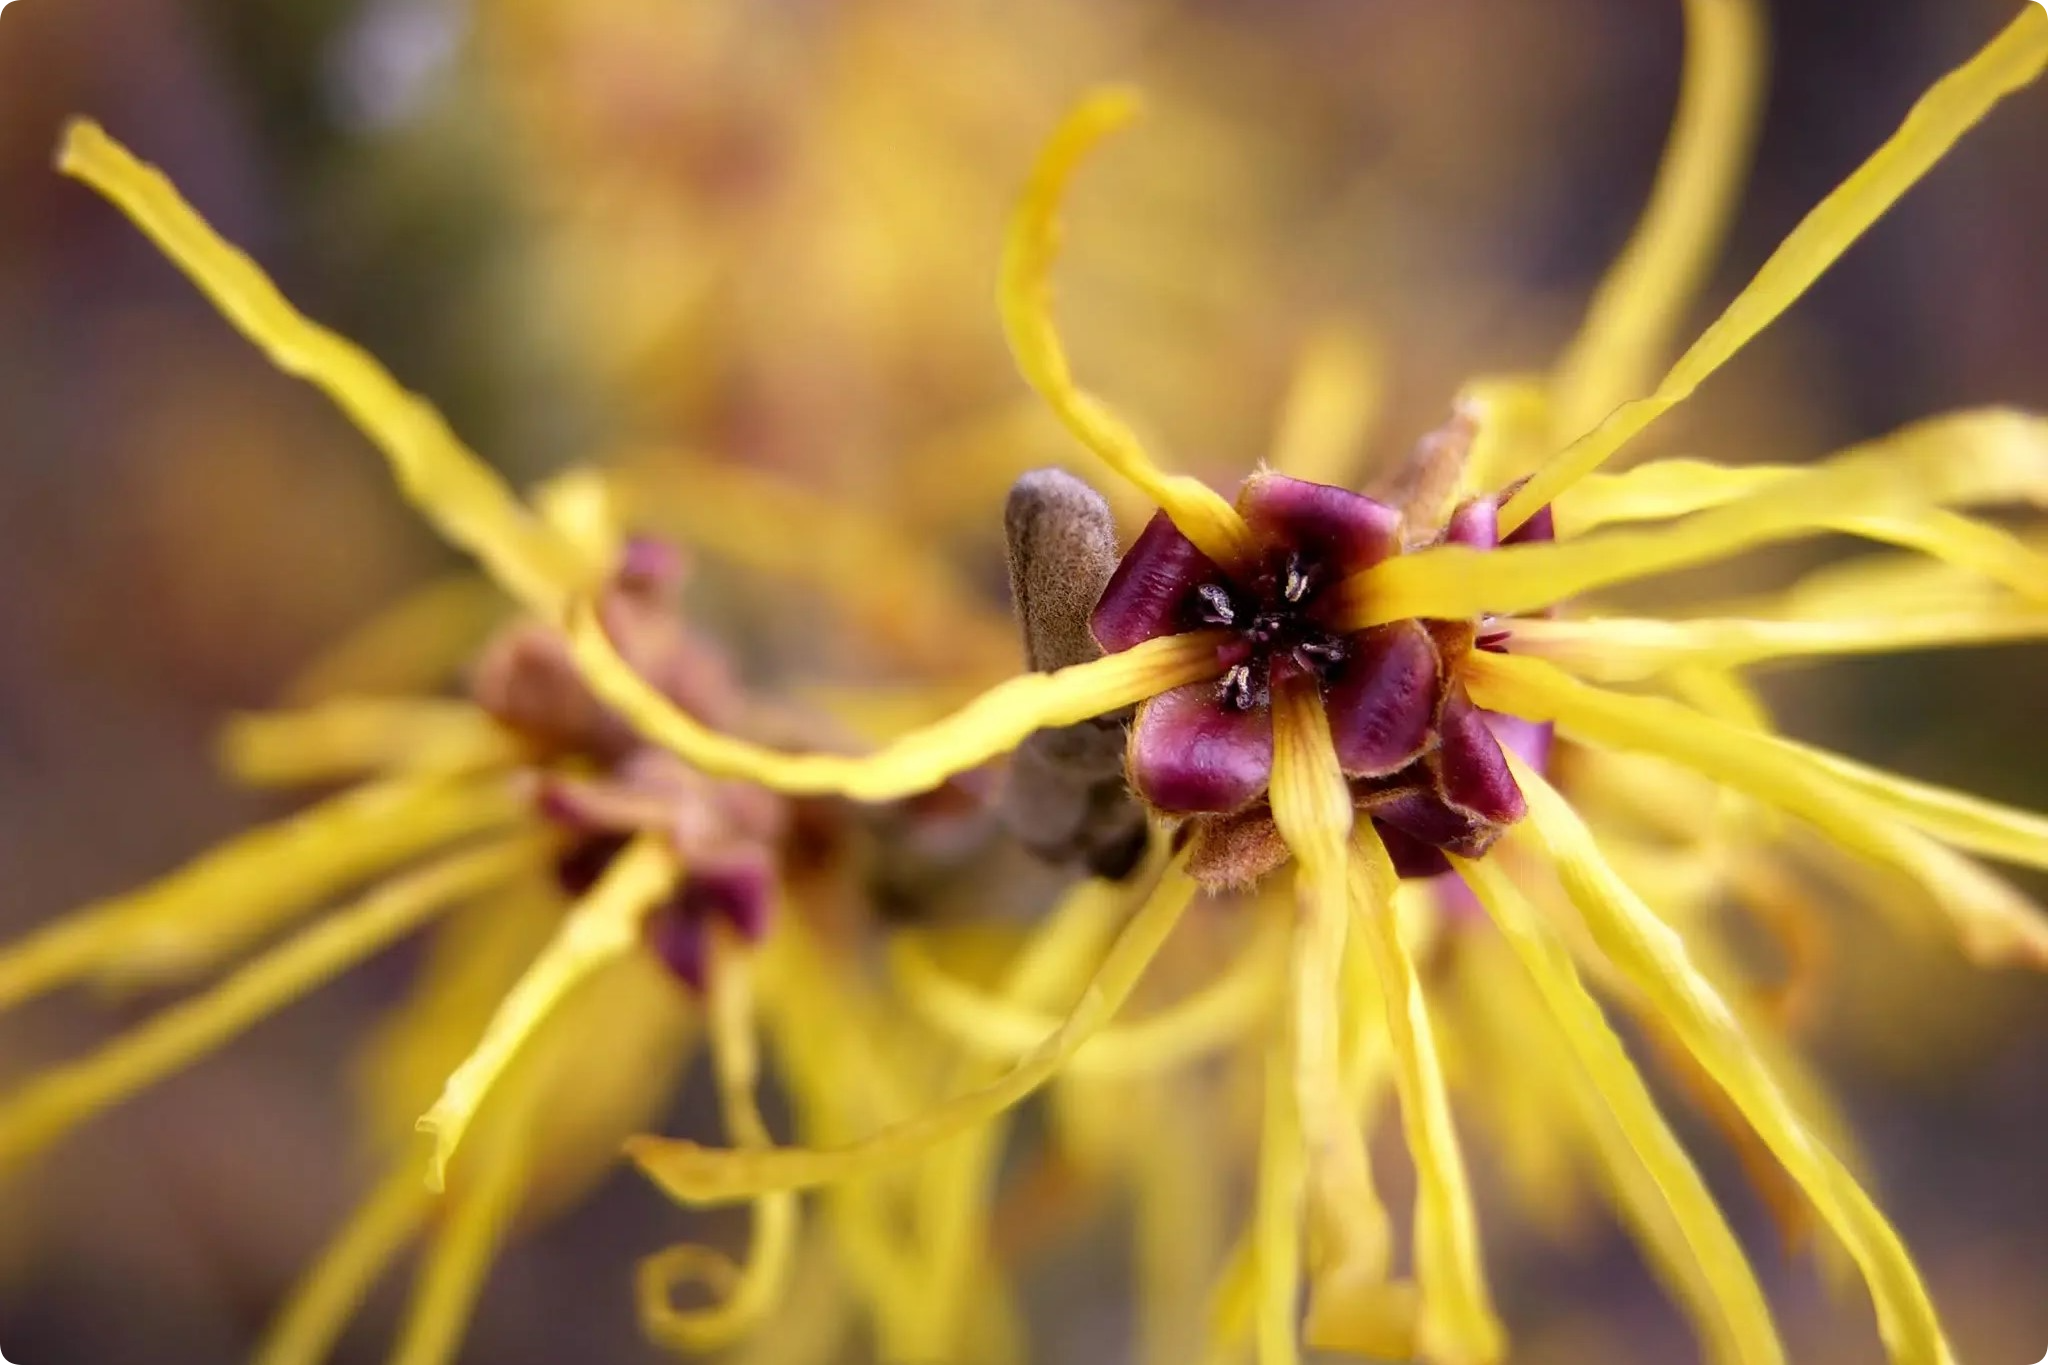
[(763, 237)]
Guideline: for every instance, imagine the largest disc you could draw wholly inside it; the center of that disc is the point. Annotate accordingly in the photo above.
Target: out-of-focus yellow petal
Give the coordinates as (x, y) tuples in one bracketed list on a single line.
[(992, 724), (459, 493), (1983, 455), (474, 957), (697, 1175), (581, 506), (1331, 407), (218, 903), (603, 926), (1457, 1319), (1029, 251), (993, 1026), (1655, 961), (1179, 1163), (1275, 1261), (473, 1219), (955, 1187), (1627, 649), (1740, 1323), (55, 1101), (1868, 813), (1673, 488), (884, 578), (1348, 1243), (415, 645), (349, 737), (1511, 416), (747, 1294), (1638, 308), (1950, 108), (328, 1295)]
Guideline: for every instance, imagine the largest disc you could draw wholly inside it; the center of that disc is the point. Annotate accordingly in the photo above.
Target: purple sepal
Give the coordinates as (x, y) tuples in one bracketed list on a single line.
[(1324, 524), (1471, 772), (1529, 739), (1383, 700), (652, 564), (1148, 594), (736, 888), (1192, 754), (1428, 820), (1541, 526), (1412, 857), (1475, 523)]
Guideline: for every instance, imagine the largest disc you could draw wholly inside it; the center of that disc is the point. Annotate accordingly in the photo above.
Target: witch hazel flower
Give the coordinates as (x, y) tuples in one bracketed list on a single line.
[(1305, 662), (1420, 758)]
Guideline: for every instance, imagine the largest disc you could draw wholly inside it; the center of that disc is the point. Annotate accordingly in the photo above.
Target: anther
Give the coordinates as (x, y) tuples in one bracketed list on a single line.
[(1236, 688), (1297, 580), (1221, 612)]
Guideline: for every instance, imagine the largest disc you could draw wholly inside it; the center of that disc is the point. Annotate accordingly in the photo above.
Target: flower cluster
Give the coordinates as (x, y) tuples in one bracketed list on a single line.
[(1395, 706)]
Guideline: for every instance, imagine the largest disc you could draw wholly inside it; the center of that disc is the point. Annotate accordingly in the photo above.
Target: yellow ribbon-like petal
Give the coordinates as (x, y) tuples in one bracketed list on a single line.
[(999, 1027), (234, 894), (1627, 649), (1640, 304), (414, 645), (601, 927), (459, 493), (1869, 813), (990, 725), (348, 737), (54, 1102), (1457, 1318), (696, 1175), (1654, 960), (1741, 1321), (1981, 456), (1334, 401), (1673, 488), (747, 1294), (1029, 251), (1348, 1243), (1950, 108), (327, 1296), (883, 577)]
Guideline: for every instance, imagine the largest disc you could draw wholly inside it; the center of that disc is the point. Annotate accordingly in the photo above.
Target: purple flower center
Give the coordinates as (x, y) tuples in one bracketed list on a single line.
[(1423, 762)]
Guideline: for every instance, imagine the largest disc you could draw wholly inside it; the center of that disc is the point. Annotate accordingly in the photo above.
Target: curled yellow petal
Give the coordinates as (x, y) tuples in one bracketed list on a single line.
[(1950, 108), (1457, 1319), (746, 1294), (459, 493), (992, 724), (1331, 407), (1739, 1322), (993, 1026), (696, 1175), (225, 899), (348, 737), (54, 1102), (1977, 456), (328, 1295), (1029, 251), (1639, 305), (1627, 649), (1869, 813), (599, 929), (1654, 960)]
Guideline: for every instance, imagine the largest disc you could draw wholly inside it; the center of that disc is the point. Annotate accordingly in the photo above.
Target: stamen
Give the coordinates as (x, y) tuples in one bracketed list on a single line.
[(1236, 689), (1221, 612), (1297, 579)]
